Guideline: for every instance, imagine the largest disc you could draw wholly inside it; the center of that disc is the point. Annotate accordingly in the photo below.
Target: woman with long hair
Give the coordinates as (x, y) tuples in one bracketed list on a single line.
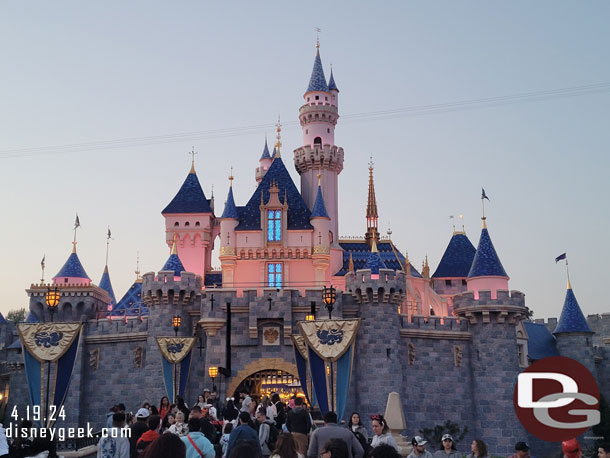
[(381, 432), (286, 447), (164, 407), (230, 412), (167, 422), (355, 425), (166, 446), (478, 449)]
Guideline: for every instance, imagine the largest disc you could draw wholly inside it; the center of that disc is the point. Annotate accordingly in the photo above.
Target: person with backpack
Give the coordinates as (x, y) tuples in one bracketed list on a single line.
[(197, 445), (267, 432), (280, 409), (154, 424), (298, 422)]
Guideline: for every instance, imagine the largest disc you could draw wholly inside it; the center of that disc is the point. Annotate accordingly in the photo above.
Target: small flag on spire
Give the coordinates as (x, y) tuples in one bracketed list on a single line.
[(560, 257), (483, 195), (76, 222), (109, 234), (42, 262)]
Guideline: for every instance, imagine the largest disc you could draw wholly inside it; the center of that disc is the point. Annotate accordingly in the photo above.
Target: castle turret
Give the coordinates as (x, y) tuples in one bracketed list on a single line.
[(450, 276), (174, 263), (321, 240), (573, 334), (106, 285), (228, 241), (72, 272), (189, 219), (332, 87), (319, 154), (264, 163), (378, 292), (486, 271)]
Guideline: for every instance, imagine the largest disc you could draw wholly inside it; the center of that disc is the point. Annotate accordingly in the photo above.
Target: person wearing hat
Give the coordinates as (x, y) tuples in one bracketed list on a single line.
[(419, 448), (522, 450), (448, 448), (137, 429), (571, 449)]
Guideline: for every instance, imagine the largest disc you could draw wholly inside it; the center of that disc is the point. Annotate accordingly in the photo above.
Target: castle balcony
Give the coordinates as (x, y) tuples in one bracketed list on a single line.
[(508, 306), (307, 158)]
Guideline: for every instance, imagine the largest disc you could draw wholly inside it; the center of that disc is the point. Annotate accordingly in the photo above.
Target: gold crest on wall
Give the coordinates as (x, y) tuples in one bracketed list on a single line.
[(271, 335)]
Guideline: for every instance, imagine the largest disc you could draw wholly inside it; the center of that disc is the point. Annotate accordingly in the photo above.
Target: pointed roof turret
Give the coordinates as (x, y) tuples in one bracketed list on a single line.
[(457, 259), (2, 319), (266, 154), (106, 285), (190, 198), (486, 262), (572, 318), (332, 86), (230, 210), (72, 268), (173, 262), (319, 209), (317, 82), (374, 262), (372, 233)]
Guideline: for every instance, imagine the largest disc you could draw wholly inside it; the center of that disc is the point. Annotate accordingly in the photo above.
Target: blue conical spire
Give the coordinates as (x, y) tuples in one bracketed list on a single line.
[(173, 262), (457, 259), (2, 319), (230, 210), (106, 285), (332, 86), (266, 154), (190, 198), (319, 209), (374, 262), (486, 262), (72, 267), (317, 82), (572, 318)]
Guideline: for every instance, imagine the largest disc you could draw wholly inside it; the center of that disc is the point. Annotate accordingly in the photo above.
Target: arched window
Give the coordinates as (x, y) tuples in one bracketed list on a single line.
[(317, 141), (187, 224), (176, 224), (197, 224), (274, 225)]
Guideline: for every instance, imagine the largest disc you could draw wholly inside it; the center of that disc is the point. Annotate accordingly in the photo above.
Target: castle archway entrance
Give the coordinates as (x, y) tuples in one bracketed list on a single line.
[(266, 376)]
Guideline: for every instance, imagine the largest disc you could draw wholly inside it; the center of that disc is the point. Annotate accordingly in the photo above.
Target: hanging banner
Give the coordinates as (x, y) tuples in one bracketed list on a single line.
[(330, 354), (45, 344), (300, 356), (176, 363)]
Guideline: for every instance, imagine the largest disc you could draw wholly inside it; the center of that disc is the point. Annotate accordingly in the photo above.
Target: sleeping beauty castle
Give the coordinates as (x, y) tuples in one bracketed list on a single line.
[(294, 309)]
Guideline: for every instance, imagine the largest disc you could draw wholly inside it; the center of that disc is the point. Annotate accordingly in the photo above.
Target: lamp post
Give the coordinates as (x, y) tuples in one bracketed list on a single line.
[(329, 297), (52, 300), (176, 322), (213, 372)]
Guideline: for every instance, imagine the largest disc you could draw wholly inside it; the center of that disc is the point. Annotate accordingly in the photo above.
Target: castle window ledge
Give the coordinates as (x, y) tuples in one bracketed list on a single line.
[(435, 334), (114, 338), (212, 325)]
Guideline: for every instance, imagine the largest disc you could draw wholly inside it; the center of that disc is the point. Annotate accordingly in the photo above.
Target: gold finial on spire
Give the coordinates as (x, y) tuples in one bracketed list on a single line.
[(319, 178), (425, 271), (137, 271), (278, 142), (374, 247), (174, 245), (318, 30), (350, 266), (372, 217), (192, 153), (231, 178)]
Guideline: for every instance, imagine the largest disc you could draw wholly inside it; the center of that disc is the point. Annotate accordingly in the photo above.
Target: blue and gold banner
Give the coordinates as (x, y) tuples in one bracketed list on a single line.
[(44, 345), (330, 354), (176, 363), (300, 356)]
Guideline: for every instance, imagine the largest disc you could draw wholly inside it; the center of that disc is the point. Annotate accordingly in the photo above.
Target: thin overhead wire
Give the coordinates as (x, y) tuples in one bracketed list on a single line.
[(419, 110)]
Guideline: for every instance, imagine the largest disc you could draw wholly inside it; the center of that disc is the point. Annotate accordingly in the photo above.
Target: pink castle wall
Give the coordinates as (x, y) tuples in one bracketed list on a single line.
[(487, 283)]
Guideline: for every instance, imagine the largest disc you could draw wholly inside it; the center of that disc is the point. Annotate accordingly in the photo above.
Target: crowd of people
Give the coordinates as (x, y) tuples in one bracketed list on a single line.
[(248, 427)]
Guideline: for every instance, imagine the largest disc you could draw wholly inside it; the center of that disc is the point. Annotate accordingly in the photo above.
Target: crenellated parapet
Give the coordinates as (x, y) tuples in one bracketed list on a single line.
[(164, 288), (507, 307), (308, 158), (365, 288), (78, 302)]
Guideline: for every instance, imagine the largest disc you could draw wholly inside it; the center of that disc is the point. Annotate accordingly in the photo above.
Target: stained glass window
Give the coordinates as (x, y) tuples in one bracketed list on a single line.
[(274, 275), (274, 225)]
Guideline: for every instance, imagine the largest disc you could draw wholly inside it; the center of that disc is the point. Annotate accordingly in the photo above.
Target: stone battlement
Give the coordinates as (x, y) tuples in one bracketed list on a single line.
[(436, 323), (466, 299), (162, 288), (307, 158), (388, 288)]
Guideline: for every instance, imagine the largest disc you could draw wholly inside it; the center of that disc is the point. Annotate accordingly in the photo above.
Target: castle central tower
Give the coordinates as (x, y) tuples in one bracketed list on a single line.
[(319, 154)]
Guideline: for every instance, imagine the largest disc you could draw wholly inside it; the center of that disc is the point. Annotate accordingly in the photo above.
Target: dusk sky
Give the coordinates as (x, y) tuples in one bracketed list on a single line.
[(102, 101)]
